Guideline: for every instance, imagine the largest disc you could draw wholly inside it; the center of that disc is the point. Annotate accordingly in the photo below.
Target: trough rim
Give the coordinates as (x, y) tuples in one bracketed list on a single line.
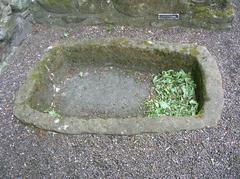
[(213, 102)]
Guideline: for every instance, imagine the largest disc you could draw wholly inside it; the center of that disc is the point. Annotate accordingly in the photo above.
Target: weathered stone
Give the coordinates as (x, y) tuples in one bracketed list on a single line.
[(144, 8), (20, 5), (79, 87), (4, 52), (15, 29), (2, 66), (23, 28), (13, 25), (2, 34), (7, 28), (5, 10), (135, 12), (5, 20), (69, 6), (199, 1), (61, 6)]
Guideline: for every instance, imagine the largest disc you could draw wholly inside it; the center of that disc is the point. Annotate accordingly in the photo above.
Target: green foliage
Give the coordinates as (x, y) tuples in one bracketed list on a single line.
[(53, 113), (109, 28), (174, 95)]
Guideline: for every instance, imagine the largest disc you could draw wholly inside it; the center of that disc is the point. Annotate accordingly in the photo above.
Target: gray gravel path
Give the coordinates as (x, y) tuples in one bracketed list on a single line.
[(208, 153)]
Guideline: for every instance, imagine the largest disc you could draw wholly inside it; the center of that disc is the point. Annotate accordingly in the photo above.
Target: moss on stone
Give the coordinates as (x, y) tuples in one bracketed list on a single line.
[(206, 13), (194, 52), (58, 6), (136, 8), (211, 15), (65, 3), (132, 55), (118, 42), (183, 50)]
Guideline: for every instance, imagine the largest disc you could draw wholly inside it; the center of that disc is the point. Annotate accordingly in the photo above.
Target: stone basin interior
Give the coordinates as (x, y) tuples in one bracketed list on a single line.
[(99, 81)]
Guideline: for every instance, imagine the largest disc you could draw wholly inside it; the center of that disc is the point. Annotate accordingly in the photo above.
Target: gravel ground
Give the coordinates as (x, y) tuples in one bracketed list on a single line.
[(208, 153)]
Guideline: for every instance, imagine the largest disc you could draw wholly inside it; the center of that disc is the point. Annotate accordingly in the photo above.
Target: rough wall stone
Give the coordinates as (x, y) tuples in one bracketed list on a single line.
[(70, 6), (5, 18), (136, 8), (205, 13), (19, 5), (14, 14), (14, 26)]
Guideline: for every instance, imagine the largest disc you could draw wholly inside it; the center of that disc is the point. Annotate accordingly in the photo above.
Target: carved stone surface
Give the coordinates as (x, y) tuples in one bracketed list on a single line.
[(141, 8), (82, 82), (69, 6), (207, 14)]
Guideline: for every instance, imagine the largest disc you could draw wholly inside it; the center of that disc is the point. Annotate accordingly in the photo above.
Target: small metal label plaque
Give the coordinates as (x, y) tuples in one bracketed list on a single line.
[(168, 16)]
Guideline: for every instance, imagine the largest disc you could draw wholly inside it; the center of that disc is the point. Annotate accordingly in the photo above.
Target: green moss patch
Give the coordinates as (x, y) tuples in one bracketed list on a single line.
[(173, 95)]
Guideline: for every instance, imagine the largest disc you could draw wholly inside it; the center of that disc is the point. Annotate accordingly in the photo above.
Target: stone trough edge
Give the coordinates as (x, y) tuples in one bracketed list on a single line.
[(130, 126)]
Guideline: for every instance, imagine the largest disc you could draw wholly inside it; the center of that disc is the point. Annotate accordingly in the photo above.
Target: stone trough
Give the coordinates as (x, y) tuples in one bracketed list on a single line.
[(100, 86)]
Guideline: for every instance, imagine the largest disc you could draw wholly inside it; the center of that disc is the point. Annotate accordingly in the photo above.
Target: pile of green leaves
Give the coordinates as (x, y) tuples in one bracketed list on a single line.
[(173, 95)]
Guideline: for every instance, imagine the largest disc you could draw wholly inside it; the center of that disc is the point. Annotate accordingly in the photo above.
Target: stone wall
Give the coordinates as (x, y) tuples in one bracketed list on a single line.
[(192, 13), (16, 15), (14, 25)]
